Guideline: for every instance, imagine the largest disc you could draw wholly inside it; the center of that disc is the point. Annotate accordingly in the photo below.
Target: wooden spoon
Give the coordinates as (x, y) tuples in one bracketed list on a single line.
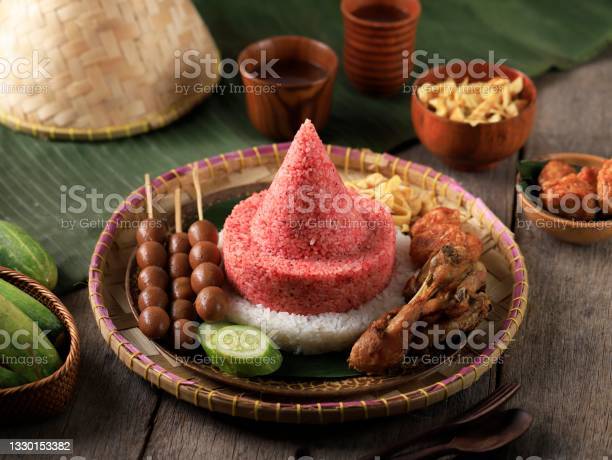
[(484, 407), (484, 435)]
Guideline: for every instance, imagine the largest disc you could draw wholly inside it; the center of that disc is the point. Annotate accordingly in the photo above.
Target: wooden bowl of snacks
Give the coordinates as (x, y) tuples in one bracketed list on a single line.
[(547, 190), (475, 123), (41, 385)]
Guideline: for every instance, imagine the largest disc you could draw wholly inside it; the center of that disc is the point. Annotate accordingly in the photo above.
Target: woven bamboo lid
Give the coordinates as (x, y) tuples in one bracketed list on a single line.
[(84, 69)]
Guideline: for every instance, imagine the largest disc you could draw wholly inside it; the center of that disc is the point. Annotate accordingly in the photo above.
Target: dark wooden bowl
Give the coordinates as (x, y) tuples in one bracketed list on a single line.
[(48, 396), (279, 113), (472, 148), (568, 230)]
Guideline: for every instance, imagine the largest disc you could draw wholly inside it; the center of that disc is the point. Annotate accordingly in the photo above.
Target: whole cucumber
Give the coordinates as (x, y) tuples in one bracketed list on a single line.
[(9, 378), (24, 349), (21, 252), (37, 312)]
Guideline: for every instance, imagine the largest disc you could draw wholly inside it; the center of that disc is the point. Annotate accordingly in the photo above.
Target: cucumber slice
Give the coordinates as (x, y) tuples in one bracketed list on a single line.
[(208, 339), (244, 351)]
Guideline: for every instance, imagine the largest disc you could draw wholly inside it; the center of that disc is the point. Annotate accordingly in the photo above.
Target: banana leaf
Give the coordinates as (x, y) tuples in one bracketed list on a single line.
[(529, 171), (328, 365), (52, 189)]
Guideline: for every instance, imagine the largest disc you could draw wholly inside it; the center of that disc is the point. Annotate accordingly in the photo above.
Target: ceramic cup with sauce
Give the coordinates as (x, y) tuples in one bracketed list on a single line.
[(301, 86), (379, 37)]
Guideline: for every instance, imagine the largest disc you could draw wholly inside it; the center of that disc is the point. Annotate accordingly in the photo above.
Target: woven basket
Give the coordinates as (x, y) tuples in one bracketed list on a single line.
[(239, 173), (50, 395), (98, 69)]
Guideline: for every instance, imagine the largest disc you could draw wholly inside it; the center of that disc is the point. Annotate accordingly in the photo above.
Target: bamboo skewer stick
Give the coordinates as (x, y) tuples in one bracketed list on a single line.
[(198, 190), (178, 221), (149, 195)]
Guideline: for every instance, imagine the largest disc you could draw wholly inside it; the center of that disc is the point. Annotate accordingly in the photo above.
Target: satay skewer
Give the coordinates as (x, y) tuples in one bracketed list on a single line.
[(178, 241), (198, 190), (149, 196), (178, 245), (207, 277), (202, 229), (178, 266), (178, 221), (151, 258), (151, 229), (204, 256)]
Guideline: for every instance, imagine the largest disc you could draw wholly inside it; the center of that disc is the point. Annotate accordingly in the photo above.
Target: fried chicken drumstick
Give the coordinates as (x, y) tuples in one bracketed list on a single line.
[(449, 292)]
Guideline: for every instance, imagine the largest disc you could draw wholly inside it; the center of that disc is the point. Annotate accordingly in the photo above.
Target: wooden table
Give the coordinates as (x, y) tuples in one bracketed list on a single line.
[(561, 355)]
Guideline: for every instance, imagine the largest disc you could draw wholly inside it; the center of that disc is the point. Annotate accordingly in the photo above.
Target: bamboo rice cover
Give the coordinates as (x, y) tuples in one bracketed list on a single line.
[(91, 69)]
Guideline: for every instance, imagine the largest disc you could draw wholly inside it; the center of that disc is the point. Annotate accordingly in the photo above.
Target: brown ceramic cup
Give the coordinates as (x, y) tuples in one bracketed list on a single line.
[(379, 36), (306, 73)]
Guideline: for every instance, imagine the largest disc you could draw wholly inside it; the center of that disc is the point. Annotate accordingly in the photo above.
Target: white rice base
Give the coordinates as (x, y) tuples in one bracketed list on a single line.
[(325, 332)]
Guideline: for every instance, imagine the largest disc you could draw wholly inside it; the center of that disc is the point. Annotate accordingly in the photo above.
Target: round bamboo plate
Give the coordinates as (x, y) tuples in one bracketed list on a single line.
[(239, 173)]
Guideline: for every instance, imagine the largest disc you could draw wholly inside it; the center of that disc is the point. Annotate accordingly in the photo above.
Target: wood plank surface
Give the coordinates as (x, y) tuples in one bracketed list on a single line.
[(562, 354), (111, 411)]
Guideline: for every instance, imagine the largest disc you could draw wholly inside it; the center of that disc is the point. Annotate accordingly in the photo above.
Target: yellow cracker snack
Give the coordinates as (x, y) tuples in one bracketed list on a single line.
[(405, 202), (474, 103)]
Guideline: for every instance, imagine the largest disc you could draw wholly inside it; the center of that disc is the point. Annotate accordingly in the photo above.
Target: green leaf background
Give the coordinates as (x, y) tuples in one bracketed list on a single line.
[(535, 36)]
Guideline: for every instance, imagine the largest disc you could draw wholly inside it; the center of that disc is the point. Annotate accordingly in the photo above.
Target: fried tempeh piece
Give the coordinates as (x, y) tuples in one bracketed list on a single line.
[(589, 175), (553, 171), (570, 197)]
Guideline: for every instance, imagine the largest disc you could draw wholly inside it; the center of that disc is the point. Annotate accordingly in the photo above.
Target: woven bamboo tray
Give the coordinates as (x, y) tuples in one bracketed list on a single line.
[(106, 69), (236, 174), (48, 396)]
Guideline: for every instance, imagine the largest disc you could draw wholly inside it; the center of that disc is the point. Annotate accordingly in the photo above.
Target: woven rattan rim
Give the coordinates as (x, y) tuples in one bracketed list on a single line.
[(140, 126), (59, 309), (316, 412)]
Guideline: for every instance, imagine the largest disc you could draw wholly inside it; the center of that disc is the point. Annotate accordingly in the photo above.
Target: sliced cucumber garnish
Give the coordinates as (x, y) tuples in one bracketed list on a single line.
[(244, 351)]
